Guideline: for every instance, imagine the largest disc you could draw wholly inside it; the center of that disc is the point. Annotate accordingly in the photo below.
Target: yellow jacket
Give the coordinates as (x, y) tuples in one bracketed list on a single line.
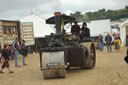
[(117, 40)]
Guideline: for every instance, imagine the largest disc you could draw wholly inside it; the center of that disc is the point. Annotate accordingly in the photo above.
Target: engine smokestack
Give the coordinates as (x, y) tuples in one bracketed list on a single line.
[(58, 21)]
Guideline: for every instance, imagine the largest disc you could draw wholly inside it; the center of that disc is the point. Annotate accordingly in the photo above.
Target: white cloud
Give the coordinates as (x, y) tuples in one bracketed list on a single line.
[(17, 9)]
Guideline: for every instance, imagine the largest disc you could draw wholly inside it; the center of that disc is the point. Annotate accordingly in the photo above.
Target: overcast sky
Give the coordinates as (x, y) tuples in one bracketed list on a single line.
[(18, 9)]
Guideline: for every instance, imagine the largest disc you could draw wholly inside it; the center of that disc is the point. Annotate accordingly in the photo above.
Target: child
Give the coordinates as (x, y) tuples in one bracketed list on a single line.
[(5, 58)]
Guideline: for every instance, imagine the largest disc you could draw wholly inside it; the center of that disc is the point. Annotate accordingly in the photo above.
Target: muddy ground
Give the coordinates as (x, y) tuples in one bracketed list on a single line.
[(110, 70)]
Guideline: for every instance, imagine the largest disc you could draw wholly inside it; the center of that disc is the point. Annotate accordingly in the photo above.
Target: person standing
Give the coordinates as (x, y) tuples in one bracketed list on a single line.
[(16, 51), (75, 30), (108, 40), (23, 51), (100, 44), (117, 43), (5, 58)]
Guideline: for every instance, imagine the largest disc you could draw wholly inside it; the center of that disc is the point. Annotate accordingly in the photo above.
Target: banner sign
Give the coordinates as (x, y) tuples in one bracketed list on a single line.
[(27, 33)]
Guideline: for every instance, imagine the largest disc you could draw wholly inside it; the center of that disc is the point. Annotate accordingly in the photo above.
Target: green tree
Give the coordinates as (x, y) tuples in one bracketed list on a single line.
[(102, 14)]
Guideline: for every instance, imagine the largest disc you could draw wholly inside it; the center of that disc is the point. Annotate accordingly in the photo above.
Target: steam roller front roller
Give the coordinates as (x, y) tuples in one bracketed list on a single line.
[(53, 65), (54, 72), (89, 54)]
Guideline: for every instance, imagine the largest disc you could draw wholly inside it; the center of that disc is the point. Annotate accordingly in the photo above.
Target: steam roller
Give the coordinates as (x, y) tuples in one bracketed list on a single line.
[(65, 50)]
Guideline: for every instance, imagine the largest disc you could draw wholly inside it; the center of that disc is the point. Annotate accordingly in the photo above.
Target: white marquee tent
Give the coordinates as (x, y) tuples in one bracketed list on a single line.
[(124, 32), (40, 27)]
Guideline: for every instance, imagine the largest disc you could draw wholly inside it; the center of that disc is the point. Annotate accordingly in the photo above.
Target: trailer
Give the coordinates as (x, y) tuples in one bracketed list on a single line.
[(10, 30)]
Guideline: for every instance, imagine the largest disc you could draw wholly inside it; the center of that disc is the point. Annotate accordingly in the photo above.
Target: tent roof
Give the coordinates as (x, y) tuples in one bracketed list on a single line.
[(40, 27), (125, 23)]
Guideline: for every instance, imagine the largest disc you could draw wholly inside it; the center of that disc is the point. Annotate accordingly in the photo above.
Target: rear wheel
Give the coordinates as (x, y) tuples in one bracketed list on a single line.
[(90, 55)]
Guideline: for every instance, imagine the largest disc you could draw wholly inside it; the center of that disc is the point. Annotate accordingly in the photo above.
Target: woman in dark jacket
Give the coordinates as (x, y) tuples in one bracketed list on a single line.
[(23, 51)]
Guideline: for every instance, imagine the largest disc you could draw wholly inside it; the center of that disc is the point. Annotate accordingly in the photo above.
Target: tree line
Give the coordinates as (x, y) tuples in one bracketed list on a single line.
[(102, 14)]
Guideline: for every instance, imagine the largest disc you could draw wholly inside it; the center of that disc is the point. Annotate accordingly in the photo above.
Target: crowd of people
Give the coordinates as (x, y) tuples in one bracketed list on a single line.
[(6, 54), (108, 40)]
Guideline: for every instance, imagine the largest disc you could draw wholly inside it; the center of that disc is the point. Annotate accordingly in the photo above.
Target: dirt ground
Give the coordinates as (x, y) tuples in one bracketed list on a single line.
[(110, 70)]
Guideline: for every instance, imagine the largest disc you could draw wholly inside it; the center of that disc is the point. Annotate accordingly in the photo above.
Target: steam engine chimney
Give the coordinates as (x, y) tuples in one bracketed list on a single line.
[(58, 21)]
